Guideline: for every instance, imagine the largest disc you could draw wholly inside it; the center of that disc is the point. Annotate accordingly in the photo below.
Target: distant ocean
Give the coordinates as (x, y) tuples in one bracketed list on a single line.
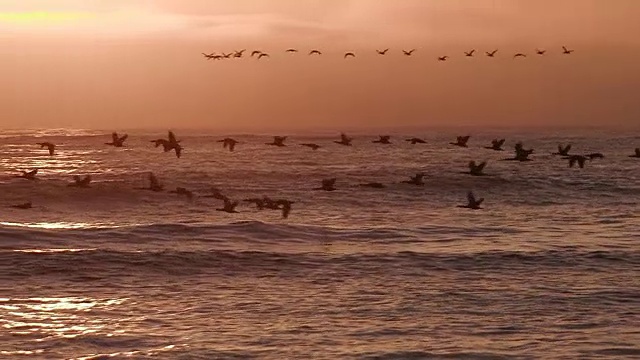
[(549, 269)]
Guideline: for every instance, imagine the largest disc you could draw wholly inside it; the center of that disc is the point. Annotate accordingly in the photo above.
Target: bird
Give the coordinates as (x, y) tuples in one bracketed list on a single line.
[(415, 140), (491, 53), (311, 145), (238, 54), (229, 206), (461, 141), (79, 181), (263, 55), (384, 139), (522, 154), (347, 54), (637, 153), (23, 206), (415, 180), (170, 144), (183, 192), (328, 185), (285, 206), (573, 159), (373, 185), (476, 169), (344, 140), (216, 194), (382, 52), (443, 58), (540, 52), (470, 53), (566, 51), (116, 140), (228, 143), (209, 56), (472, 204), (154, 184), (563, 151), (315, 52), (408, 53), (226, 56), (50, 146), (496, 145), (519, 55), (255, 52), (29, 175), (291, 50), (278, 141), (595, 156)]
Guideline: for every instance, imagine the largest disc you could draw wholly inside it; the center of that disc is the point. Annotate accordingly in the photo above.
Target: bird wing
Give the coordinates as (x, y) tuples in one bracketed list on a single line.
[(501, 142), (479, 201), (471, 198), (481, 166), (178, 151), (567, 148), (123, 138), (344, 137), (464, 139), (172, 137), (114, 137), (572, 161)]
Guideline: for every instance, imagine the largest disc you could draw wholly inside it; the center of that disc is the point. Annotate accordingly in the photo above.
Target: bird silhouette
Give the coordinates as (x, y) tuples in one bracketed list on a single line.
[(491, 53), (384, 139), (579, 159), (476, 169), (117, 141), (50, 146), (415, 180), (229, 206), (522, 154), (519, 55), (311, 145), (563, 151), (443, 58), (209, 56), (472, 203), (469, 53), (540, 52), (255, 52), (496, 145), (328, 185), (344, 140), (415, 140), (382, 52), (566, 51), (408, 53), (29, 175), (291, 50), (349, 54), (637, 153), (228, 143), (285, 206), (263, 55), (278, 141), (315, 52), (461, 141)]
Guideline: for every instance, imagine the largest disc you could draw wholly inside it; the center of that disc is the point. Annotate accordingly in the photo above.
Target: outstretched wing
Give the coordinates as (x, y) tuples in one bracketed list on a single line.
[(501, 142), (172, 137), (123, 138), (481, 166), (114, 137), (471, 198), (567, 148)]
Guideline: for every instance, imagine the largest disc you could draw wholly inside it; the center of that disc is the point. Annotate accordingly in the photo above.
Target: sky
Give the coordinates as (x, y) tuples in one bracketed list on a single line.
[(123, 64)]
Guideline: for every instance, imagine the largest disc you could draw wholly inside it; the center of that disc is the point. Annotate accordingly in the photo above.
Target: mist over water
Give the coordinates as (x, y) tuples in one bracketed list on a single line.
[(549, 269)]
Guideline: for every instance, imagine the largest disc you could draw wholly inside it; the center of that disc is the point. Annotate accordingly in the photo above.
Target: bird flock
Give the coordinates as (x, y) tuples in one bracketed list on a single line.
[(171, 143), (259, 54)]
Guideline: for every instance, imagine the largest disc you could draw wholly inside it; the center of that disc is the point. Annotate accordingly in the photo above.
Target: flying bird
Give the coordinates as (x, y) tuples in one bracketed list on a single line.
[(278, 141), (519, 55), (291, 50), (315, 52), (117, 141), (311, 145), (346, 55), (29, 175), (573, 159), (382, 52), (522, 154), (492, 53), (227, 56), (328, 185), (408, 53), (263, 55), (344, 140), (285, 206), (228, 143), (563, 151), (540, 52), (229, 206), (51, 147), (415, 140), (461, 141), (209, 56), (469, 53), (82, 182), (255, 52), (443, 58), (637, 154), (472, 203), (415, 180), (384, 139), (238, 54), (496, 145), (476, 169), (566, 51)]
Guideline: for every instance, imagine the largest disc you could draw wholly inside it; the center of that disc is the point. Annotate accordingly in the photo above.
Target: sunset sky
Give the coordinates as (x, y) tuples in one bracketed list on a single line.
[(114, 64)]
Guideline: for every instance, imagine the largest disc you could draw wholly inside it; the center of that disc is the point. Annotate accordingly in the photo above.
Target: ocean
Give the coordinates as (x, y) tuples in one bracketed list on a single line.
[(548, 269)]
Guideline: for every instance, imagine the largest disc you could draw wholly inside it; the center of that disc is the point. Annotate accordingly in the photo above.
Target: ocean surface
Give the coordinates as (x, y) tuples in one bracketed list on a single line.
[(549, 269)]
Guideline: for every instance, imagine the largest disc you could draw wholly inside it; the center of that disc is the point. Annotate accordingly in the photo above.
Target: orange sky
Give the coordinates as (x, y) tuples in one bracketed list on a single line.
[(135, 64)]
